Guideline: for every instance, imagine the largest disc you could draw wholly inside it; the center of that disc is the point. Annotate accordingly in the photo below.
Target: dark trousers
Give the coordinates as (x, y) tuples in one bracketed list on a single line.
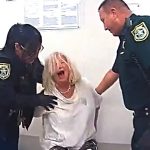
[(9, 138), (8, 144), (141, 122)]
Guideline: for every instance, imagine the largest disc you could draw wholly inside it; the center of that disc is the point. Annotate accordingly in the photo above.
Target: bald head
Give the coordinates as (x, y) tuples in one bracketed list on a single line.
[(118, 4)]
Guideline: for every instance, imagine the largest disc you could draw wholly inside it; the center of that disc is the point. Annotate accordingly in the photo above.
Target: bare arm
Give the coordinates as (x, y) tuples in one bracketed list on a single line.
[(109, 79)]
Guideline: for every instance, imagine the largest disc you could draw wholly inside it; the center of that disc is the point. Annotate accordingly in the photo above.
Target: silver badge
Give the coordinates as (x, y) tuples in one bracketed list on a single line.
[(4, 71)]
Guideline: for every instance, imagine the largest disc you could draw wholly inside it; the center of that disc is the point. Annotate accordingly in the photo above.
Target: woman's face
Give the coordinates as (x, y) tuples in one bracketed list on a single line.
[(61, 70)]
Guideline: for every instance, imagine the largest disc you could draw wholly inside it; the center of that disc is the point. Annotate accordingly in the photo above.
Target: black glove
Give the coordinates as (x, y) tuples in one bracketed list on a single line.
[(47, 100)]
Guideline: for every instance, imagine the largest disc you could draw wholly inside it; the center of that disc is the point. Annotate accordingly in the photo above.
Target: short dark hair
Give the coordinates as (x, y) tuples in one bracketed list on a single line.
[(24, 34), (108, 3)]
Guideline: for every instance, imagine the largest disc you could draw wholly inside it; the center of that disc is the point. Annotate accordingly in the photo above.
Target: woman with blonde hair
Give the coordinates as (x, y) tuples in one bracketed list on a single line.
[(71, 124)]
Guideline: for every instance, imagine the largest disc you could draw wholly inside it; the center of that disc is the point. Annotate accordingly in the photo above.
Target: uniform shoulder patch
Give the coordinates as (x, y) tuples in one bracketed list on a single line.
[(140, 32), (4, 71)]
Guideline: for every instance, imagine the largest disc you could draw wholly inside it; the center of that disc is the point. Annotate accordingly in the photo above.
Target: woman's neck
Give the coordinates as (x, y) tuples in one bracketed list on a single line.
[(63, 87), (66, 90)]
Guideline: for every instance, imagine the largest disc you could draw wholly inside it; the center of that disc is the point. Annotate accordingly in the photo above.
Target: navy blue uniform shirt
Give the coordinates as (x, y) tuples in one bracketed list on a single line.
[(16, 78), (134, 41)]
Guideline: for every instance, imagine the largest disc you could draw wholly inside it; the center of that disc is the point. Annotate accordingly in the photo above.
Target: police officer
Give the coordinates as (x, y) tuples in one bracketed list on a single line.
[(132, 63), (20, 70)]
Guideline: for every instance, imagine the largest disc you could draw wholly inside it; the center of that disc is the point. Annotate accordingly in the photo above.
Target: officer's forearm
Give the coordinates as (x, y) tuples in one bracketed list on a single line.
[(109, 79), (23, 100)]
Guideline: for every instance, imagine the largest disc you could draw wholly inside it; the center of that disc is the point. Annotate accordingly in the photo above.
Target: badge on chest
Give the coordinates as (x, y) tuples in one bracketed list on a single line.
[(4, 71)]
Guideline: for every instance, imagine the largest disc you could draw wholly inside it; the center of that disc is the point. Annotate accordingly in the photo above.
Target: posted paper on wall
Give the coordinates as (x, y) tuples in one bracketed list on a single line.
[(51, 14)]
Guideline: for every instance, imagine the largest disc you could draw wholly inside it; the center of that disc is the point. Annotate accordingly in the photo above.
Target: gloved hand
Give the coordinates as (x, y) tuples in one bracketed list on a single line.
[(47, 100)]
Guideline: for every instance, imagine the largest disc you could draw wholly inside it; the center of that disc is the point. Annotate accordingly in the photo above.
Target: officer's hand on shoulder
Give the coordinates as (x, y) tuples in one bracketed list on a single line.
[(47, 100)]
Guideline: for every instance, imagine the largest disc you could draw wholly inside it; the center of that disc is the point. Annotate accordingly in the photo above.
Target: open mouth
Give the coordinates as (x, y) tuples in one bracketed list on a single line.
[(60, 73)]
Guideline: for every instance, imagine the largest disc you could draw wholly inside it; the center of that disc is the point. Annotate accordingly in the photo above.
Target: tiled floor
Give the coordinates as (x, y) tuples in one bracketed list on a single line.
[(32, 143)]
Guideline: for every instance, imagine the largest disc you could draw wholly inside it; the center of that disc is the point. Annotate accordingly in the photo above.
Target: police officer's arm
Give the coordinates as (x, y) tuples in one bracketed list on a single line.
[(108, 80), (10, 98)]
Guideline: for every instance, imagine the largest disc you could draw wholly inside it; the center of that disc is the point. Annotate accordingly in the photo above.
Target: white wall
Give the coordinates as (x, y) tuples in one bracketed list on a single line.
[(93, 50)]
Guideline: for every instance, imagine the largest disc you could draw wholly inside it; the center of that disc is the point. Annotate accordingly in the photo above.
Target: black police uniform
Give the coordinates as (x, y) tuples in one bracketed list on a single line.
[(133, 66), (16, 79)]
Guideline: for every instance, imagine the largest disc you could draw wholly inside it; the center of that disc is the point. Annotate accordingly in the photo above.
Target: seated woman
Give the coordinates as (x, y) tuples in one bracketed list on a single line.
[(71, 124)]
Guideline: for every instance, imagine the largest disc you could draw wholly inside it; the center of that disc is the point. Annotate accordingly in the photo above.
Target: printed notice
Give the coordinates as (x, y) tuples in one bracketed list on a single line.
[(51, 14)]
